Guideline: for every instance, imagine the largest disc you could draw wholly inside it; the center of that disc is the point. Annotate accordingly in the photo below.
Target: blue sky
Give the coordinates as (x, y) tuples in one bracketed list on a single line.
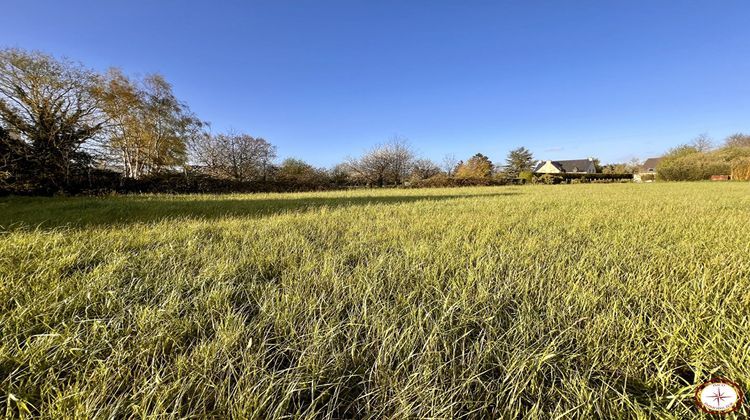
[(327, 79)]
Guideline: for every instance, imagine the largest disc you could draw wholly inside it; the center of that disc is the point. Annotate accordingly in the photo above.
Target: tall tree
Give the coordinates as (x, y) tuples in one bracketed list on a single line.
[(50, 106), (123, 101), (149, 128), (169, 125), (518, 160)]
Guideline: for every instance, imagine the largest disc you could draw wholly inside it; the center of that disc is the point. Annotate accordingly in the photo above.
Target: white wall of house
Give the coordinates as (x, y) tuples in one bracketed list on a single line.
[(548, 168)]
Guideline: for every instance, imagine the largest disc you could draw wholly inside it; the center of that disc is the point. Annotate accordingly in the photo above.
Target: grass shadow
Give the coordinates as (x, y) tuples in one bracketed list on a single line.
[(85, 212)]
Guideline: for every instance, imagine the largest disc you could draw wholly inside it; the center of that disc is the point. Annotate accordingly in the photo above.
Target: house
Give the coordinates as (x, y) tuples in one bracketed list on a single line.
[(647, 171), (576, 166), (649, 166)]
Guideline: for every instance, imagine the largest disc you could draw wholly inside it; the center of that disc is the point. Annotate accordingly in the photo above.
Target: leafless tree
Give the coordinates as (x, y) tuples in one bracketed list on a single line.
[(424, 168), (387, 163), (703, 143), (634, 165), (449, 164), (237, 156), (737, 140)]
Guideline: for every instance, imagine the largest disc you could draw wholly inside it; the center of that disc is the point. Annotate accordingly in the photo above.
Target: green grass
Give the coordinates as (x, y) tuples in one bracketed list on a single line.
[(540, 301)]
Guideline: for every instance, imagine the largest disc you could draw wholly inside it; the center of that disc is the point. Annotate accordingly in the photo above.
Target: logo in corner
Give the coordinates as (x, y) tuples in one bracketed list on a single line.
[(718, 396)]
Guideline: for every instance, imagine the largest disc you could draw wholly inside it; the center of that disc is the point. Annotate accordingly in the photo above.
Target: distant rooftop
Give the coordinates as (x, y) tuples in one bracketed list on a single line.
[(650, 164), (574, 165)]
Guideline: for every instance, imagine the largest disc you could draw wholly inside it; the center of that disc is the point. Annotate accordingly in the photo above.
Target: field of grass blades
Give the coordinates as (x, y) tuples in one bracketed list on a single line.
[(569, 301)]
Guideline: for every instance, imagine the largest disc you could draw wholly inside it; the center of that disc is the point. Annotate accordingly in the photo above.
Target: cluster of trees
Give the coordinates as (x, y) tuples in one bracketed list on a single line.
[(395, 163), (479, 166), (701, 159), (387, 164), (66, 128), (61, 123), (630, 167)]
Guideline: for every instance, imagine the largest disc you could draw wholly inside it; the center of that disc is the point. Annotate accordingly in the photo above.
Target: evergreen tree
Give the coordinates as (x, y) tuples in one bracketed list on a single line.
[(519, 160)]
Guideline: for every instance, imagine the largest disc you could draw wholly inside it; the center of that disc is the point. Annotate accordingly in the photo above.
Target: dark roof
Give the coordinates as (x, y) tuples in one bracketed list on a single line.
[(650, 164), (576, 165)]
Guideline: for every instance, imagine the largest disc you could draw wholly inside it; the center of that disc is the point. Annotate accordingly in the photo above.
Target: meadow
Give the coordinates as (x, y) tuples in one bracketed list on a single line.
[(561, 301)]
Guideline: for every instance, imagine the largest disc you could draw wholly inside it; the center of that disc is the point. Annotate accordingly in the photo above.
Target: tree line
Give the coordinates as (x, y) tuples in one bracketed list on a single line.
[(66, 128)]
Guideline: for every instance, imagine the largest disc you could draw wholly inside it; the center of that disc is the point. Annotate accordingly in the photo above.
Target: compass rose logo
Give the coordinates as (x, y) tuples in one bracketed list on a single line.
[(718, 396)]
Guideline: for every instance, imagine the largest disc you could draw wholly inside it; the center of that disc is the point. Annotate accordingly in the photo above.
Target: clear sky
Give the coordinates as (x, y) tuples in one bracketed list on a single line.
[(326, 79)]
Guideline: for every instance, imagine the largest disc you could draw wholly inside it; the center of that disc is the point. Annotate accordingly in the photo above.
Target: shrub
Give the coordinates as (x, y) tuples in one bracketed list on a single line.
[(688, 164), (527, 176), (693, 166), (549, 179)]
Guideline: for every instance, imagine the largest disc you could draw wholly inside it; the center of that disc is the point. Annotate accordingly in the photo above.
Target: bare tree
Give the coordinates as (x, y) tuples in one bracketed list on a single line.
[(424, 168), (237, 156), (388, 163), (449, 164), (50, 106), (737, 140), (703, 143), (341, 174), (633, 165)]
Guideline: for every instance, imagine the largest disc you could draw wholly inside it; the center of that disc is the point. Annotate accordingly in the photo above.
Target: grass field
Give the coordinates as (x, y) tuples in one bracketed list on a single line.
[(534, 301)]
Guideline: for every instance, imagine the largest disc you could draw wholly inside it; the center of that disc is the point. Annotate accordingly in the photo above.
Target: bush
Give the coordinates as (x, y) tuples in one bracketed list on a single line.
[(527, 176), (297, 175), (103, 182), (684, 164), (184, 183), (694, 167), (648, 177), (548, 179)]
